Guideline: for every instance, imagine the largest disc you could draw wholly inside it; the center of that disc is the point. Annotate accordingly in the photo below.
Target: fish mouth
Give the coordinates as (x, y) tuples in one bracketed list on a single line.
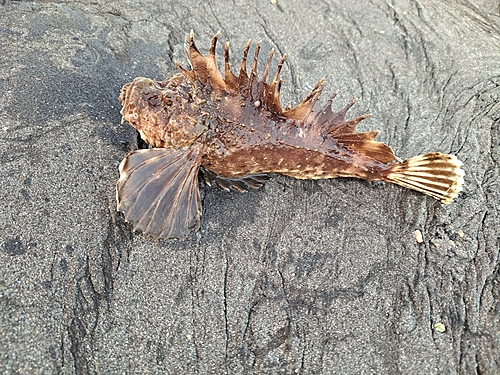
[(123, 92), (131, 96), (140, 85)]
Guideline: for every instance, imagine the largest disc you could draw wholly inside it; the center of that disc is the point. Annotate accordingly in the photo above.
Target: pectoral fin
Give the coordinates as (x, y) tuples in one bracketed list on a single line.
[(158, 191)]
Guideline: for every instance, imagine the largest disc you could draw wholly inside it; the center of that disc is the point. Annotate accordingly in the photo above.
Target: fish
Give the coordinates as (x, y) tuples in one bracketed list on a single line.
[(232, 128)]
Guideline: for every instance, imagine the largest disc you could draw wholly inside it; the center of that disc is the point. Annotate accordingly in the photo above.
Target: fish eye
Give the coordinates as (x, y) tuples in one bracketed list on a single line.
[(166, 97)]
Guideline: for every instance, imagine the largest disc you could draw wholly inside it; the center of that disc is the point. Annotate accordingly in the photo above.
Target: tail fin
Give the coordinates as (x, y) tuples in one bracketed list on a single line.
[(435, 174)]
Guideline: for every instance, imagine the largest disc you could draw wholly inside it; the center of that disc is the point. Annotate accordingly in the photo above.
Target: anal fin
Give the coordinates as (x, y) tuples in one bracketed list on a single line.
[(158, 191)]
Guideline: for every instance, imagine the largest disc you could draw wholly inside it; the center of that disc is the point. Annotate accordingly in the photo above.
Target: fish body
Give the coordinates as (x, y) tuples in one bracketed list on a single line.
[(235, 131)]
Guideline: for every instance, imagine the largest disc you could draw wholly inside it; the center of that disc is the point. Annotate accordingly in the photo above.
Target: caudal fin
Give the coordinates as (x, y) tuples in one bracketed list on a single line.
[(435, 174)]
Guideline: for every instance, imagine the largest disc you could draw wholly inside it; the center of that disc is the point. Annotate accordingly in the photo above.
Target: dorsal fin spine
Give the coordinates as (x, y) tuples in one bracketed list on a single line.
[(253, 73), (243, 68), (278, 69), (268, 64), (256, 58), (188, 74), (344, 110), (243, 77), (229, 77), (213, 44)]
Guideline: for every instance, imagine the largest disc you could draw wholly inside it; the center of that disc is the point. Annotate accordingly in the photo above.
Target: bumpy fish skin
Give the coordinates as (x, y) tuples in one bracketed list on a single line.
[(234, 129)]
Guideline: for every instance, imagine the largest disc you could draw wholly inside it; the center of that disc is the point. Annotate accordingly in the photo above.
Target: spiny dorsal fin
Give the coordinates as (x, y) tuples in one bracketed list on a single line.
[(307, 113), (204, 71)]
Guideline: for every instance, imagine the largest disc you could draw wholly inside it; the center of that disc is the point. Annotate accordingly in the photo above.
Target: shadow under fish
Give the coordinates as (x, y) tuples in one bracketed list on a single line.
[(234, 129)]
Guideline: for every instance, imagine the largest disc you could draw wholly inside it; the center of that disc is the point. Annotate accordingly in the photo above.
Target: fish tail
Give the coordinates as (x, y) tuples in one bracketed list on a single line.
[(435, 174)]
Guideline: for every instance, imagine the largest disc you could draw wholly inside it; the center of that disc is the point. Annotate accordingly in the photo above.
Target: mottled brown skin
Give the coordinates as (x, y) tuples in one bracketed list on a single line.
[(234, 127), (254, 141), (238, 137)]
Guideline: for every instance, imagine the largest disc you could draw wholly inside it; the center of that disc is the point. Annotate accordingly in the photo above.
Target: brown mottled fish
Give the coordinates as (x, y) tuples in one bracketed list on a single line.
[(235, 131)]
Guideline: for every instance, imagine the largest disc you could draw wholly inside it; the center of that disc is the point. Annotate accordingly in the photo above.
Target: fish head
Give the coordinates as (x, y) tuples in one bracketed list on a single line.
[(162, 112)]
